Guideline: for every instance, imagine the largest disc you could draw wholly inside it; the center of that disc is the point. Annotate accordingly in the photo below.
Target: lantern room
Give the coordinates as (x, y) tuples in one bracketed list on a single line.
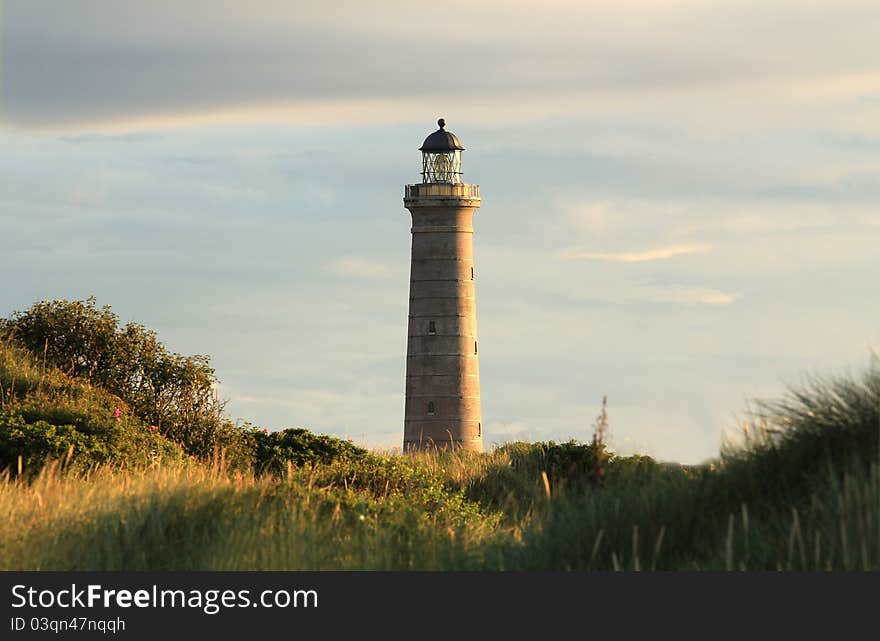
[(441, 156)]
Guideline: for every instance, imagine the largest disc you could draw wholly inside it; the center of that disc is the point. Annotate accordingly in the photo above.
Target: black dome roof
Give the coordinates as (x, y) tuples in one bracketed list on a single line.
[(441, 140)]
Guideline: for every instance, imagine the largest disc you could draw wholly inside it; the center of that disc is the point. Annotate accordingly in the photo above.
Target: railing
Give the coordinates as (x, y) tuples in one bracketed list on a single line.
[(455, 190)]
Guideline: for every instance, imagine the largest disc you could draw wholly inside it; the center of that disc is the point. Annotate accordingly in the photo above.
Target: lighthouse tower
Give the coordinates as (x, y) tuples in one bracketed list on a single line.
[(442, 372)]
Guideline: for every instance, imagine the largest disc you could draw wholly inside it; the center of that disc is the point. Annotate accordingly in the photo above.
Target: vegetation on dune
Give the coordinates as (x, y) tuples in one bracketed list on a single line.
[(274, 452), (145, 472), (47, 414), (803, 493), (74, 383), (170, 393), (199, 517)]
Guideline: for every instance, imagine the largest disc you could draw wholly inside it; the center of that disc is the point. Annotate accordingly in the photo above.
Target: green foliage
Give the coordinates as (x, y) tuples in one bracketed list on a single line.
[(172, 392), (792, 443), (370, 513), (804, 493), (512, 478), (569, 464), (518, 474), (380, 486), (71, 375), (46, 414), (272, 451), (36, 441), (76, 337)]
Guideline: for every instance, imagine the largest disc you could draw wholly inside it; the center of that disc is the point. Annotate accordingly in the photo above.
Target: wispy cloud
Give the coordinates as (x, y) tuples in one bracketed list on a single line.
[(656, 253), (686, 296)]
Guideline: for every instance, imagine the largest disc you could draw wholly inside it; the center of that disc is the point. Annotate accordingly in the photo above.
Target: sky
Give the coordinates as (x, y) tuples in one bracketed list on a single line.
[(680, 198)]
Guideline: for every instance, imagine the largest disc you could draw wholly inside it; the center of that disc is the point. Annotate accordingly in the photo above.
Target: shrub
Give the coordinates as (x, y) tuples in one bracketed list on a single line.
[(273, 450), (31, 443), (106, 368), (76, 337), (173, 392)]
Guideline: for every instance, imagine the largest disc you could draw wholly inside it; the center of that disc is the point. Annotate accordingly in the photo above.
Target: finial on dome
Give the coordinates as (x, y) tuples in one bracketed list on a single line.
[(440, 141)]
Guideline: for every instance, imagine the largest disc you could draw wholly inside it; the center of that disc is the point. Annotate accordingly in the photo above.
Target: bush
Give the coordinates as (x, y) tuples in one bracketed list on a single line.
[(272, 451), (105, 368), (173, 392), (35, 442), (76, 337)]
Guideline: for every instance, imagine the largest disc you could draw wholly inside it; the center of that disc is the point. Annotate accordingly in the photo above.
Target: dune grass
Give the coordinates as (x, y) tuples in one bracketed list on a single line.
[(197, 517), (803, 493), (794, 499)]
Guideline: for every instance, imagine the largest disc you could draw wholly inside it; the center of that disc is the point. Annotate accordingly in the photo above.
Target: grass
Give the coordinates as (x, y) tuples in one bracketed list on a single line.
[(450, 512), (195, 517), (803, 493)]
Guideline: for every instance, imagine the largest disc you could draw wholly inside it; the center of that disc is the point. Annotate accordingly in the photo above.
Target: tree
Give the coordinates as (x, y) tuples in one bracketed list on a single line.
[(173, 392), (76, 337)]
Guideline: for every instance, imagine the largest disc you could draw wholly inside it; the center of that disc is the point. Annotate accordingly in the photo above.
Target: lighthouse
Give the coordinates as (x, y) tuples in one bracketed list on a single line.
[(442, 408)]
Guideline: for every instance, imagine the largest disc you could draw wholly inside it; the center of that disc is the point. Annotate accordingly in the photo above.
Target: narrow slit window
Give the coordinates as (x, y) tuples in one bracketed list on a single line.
[(472, 273), (479, 429), (432, 327), (430, 408), (475, 347)]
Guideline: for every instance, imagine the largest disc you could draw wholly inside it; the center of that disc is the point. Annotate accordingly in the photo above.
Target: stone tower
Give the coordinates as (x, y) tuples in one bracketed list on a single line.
[(442, 372)]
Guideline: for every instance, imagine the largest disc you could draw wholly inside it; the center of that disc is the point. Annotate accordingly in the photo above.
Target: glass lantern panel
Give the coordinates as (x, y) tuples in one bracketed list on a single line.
[(442, 167)]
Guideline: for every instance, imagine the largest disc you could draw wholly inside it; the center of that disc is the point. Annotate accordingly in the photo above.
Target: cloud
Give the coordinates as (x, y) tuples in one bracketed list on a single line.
[(716, 298), (669, 294), (132, 63), (689, 296), (656, 253)]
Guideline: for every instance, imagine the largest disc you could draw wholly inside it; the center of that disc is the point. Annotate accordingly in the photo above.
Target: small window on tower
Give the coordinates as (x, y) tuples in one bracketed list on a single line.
[(432, 327), (472, 273), (479, 429), (475, 347), (430, 408)]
